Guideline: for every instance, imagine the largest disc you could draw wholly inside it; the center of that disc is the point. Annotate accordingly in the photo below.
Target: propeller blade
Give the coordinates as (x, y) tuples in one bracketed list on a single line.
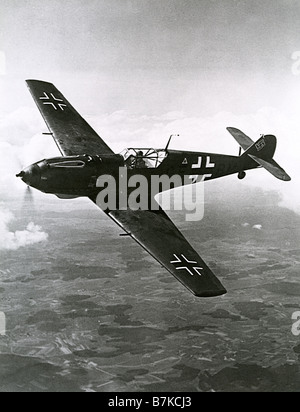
[(28, 197)]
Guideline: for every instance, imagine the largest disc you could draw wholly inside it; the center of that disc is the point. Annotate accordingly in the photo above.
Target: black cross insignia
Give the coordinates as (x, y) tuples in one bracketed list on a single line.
[(191, 266), (50, 99)]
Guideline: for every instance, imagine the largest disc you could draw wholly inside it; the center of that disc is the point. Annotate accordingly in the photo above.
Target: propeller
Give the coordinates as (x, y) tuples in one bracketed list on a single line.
[(28, 196)]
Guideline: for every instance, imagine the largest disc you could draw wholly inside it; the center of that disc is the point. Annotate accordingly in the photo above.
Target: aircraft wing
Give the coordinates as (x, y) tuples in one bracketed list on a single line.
[(156, 233), (72, 134)]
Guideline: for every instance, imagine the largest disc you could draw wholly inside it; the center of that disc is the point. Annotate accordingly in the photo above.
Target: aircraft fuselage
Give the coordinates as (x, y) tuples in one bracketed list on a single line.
[(78, 176)]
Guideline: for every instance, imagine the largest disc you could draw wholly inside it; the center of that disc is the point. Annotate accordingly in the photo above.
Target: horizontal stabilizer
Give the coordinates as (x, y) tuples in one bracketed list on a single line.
[(273, 167), (244, 141)]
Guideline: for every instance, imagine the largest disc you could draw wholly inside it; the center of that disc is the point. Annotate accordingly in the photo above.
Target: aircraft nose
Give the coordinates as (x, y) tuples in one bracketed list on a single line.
[(31, 175)]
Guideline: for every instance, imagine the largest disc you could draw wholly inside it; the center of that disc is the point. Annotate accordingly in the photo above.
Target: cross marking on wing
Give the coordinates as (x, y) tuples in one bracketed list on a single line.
[(53, 101), (191, 265)]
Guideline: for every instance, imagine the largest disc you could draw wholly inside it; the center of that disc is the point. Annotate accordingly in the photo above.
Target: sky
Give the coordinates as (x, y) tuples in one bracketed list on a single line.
[(140, 70)]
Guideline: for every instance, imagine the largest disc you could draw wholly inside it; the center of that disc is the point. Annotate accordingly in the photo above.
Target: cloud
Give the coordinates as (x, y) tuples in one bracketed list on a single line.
[(21, 238), (257, 227), (21, 144), (246, 224)]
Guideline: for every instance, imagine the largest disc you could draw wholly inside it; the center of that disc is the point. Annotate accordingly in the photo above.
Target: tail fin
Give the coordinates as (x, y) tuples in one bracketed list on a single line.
[(262, 152), (264, 148)]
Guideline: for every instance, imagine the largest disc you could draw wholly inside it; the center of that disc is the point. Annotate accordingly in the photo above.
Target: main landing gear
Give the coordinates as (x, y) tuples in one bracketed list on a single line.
[(242, 175)]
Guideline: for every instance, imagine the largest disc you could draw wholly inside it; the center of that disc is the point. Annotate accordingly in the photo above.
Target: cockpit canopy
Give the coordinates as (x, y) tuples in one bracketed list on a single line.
[(143, 158)]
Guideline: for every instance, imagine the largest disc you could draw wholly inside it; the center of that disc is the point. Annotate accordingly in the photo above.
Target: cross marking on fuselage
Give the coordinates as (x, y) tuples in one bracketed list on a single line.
[(191, 265), (208, 165), (53, 101)]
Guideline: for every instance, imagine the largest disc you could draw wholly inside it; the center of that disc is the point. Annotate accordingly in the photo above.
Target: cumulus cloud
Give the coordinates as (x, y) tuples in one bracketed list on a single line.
[(21, 144), (257, 227), (246, 224), (20, 238)]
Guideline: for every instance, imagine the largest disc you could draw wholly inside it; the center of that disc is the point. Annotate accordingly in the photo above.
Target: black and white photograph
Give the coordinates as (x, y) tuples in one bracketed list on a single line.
[(149, 198)]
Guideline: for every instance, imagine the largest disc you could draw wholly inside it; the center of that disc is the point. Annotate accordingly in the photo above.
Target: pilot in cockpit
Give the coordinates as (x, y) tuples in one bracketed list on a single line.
[(140, 161)]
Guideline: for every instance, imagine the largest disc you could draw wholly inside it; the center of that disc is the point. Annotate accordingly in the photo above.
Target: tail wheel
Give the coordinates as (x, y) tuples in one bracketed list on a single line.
[(242, 175)]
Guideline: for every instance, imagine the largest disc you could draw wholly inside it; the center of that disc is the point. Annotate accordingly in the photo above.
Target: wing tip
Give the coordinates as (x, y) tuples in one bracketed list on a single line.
[(211, 293), (232, 129), (30, 82), (284, 177)]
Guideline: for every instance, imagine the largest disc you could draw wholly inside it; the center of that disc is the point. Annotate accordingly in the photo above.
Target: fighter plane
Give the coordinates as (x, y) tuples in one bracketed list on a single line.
[(85, 158)]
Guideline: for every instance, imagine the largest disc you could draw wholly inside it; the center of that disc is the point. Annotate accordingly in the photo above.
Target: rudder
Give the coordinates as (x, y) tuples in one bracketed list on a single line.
[(264, 148), (262, 153)]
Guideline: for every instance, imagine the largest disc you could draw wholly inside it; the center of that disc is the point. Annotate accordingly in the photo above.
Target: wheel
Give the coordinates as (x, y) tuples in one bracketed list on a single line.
[(242, 175)]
